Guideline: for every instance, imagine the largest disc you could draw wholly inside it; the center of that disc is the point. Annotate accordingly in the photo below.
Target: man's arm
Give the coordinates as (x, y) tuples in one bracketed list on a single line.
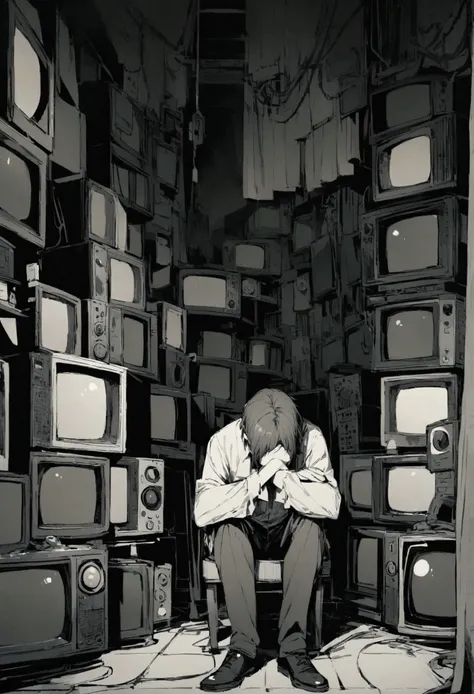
[(313, 491)]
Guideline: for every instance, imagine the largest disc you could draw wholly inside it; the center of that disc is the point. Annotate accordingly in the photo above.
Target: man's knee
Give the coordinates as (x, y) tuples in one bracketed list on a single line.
[(230, 535), (306, 529)]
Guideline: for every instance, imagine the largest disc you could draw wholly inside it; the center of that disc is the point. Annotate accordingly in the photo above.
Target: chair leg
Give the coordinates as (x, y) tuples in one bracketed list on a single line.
[(213, 616), (318, 615)]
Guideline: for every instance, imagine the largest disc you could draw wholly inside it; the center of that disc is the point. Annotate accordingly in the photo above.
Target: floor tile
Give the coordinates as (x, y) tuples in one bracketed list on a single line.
[(123, 668), (396, 671), (178, 671), (188, 643)]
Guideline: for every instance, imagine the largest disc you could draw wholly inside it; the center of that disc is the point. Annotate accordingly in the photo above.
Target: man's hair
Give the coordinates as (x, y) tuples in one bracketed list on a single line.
[(270, 419)]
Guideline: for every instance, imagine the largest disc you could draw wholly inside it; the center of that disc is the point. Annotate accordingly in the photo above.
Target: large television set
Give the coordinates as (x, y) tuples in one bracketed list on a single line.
[(131, 601), (266, 355), (70, 496), (419, 333), (404, 580), (216, 343), (410, 402), (355, 481), (53, 320), (323, 262), (67, 402), (54, 604), (92, 271), (415, 242), (92, 212), (253, 257), (224, 380), (137, 497), (122, 336), (170, 417), (23, 169), (14, 512), (27, 76), (210, 292), (403, 489), (424, 159)]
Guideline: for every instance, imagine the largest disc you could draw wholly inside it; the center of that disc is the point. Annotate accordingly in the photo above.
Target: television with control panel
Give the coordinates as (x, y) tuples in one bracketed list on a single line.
[(423, 159), (417, 241), (27, 74), (131, 601), (92, 271), (266, 355), (170, 417), (53, 320), (67, 402), (355, 481), (403, 580), (419, 333), (225, 380), (210, 292), (70, 496), (137, 497), (54, 605), (411, 402), (253, 257), (15, 532)]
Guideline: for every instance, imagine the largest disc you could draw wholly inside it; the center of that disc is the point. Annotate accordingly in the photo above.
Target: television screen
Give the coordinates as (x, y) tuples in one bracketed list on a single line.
[(202, 291), (409, 334), (410, 489), (131, 184), (302, 236), (409, 244), (11, 513), (216, 344), (118, 494), (19, 187), (123, 281), (30, 82), (68, 495), (134, 346), (174, 329), (430, 584), (249, 256), (409, 162), (131, 606), (215, 380), (408, 104), (258, 354), (367, 562), (99, 213), (417, 407), (57, 320), (360, 488), (82, 405), (163, 417)]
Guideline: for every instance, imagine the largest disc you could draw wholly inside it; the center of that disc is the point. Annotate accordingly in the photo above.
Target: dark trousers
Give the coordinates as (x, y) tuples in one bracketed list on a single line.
[(272, 534)]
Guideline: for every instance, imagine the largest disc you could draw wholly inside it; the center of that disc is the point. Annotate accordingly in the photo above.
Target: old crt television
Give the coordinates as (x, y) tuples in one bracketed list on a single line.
[(27, 76), (403, 489), (137, 496), (68, 402), (421, 241), (396, 107), (23, 168), (405, 580), (253, 257), (172, 326), (54, 320), (355, 480), (4, 414), (14, 512), (70, 496), (217, 344), (224, 379), (323, 277), (210, 292), (54, 604), (419, 333), (426, 158), (122, 336), (170, 417), (265, 355), (93, 271), (411, 402), (131, 600), (93, 212)]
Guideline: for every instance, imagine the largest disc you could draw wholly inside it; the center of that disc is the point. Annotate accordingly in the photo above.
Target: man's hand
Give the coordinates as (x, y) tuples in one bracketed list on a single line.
[(278, 453), (266, 473)]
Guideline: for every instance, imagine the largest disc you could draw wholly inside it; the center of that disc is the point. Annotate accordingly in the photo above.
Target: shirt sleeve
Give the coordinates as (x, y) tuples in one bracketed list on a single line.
[(216, 498), (313, 491)]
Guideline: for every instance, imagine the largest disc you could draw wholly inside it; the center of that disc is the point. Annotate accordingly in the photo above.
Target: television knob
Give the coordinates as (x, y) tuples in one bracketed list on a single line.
[(391, 568), (447, 309), (149, 525), (231, 303), (99, 329), (100, 351)]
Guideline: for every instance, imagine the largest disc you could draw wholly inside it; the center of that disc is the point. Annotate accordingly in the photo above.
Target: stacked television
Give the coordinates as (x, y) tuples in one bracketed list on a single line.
[(401, 558), (76, 182)]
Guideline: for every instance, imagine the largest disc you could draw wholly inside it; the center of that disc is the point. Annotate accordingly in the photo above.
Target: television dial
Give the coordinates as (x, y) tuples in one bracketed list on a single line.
[(231, 303), (163, 581), (440, 440), (150, 525), (100, 351), (92, 578), (162, 611), (448, 309), (99, 329), (151, 498), (152, 474), (391, 568)]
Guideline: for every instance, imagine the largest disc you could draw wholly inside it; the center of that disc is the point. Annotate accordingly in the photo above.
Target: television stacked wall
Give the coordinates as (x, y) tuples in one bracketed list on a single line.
[(89, 218)]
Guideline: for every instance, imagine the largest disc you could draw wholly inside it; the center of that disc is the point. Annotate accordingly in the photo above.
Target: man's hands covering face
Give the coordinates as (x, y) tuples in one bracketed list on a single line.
[(272, 462)]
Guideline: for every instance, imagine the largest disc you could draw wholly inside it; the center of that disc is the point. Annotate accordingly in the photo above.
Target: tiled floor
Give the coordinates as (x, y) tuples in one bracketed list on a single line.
[(367, 659)]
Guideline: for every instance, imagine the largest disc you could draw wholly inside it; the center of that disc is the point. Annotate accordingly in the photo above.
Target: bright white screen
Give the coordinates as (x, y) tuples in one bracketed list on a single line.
[(118, 495), (174, 329), (410, 162), (27, 75), (418, 407), (410, 489), (122, 281), (98, 214), (258, 354), (250, 256), (81, 406), (201, 291), (54, 325)]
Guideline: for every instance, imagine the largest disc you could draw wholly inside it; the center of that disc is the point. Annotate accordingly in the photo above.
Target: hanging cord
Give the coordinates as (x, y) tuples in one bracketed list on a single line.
[(196, 102)]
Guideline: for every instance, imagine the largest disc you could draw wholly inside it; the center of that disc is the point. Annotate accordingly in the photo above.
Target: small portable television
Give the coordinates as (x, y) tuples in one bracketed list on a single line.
[(170, 417), (415, 242), (137, 496), (93, 271), (411, 402), (323, 278), (253, 257), (404, 580), (442, 440), (173, 367), (403, 489), (14, 512), (266, 355), (163, 595), (122, 336), (70, 496), (131, 600), (422, 159), (68, 402), (54, 320), (27, 74), (54, 604), (225, 380), (420, 333), (210, 292), (270, 221), (172, 326), (218, 344), (355, 479), (4, 414), (92, 212), (23, 169)]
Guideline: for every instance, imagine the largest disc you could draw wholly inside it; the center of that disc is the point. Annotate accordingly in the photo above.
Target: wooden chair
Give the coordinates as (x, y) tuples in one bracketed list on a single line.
[(267, 573)]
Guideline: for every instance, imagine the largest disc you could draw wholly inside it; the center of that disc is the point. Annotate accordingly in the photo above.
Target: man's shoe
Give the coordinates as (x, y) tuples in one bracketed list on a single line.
[(235, 668), (302, 673)]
